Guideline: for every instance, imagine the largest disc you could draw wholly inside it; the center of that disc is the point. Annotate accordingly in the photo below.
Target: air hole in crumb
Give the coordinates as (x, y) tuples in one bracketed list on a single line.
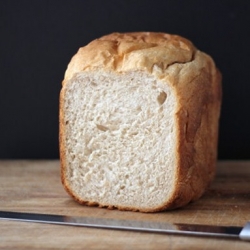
[(162, 97), (134, 133), (139, 108), (94, 84), (101, 127)]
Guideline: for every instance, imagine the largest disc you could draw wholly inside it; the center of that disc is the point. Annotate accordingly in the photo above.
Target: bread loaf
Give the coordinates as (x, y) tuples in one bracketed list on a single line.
[(139, 116)]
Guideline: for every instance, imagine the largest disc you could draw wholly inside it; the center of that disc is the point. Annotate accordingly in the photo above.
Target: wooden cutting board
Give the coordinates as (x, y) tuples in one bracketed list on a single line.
[(35, 186)]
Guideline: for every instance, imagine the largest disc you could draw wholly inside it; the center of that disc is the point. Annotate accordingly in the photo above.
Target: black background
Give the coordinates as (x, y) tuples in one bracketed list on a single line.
[(38, 39)]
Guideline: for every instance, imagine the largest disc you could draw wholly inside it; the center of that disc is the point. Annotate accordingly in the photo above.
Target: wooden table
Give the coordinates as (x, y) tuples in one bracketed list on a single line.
[(35, 186)]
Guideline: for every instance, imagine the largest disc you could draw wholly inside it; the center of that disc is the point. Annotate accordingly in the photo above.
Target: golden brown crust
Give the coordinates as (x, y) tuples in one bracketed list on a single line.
[(197, 85), (62, 142), (123, 52), (198, 128)]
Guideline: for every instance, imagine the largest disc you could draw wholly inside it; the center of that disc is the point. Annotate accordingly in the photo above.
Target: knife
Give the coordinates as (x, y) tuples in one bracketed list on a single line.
[(242, 233)]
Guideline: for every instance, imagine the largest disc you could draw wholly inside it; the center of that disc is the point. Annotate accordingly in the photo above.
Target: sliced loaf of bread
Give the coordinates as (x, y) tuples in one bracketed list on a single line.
[(139, 115)]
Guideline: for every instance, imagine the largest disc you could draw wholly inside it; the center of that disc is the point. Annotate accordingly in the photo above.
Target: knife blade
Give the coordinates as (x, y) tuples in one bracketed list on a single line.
[(242, 233)]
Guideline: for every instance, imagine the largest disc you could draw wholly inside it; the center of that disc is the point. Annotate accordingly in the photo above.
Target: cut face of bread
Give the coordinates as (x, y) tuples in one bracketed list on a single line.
[(120, 139), (139, 116)]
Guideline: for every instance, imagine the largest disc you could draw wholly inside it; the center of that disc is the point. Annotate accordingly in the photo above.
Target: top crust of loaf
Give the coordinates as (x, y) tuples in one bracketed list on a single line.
[(129, 51), (196, 82)]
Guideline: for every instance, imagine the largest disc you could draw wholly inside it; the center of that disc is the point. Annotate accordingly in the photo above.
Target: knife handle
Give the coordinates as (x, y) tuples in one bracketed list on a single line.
[(245, 232)]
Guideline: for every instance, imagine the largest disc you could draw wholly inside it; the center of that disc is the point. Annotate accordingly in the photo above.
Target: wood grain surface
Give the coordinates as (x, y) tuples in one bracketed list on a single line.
[(35, 186)]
